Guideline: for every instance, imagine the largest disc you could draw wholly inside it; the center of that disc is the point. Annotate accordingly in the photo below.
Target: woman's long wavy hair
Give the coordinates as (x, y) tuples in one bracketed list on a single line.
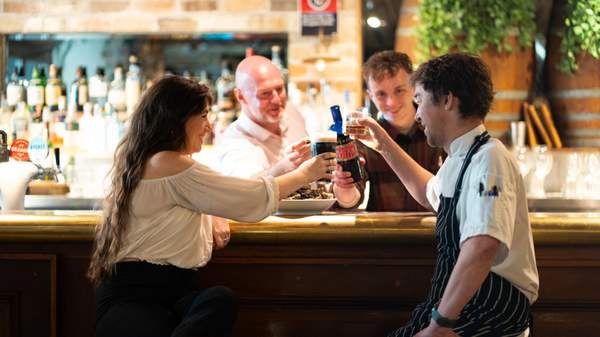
[(157, 124)]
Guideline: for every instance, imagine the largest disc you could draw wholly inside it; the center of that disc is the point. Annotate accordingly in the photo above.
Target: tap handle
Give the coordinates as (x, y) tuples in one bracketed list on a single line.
[(3, 147), (57, 158)]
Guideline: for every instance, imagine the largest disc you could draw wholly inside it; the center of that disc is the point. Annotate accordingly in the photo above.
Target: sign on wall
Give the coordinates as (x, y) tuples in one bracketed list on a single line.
[(318, 14)]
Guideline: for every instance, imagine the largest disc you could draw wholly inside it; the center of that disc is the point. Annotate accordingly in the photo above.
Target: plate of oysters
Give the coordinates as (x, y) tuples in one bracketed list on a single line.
[(307, 200)]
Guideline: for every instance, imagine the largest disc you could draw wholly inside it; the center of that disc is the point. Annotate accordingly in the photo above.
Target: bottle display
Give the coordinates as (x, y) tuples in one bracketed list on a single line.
[(15, 91), (133, 84), (79, 89), (345, 150), (53, 88), (98, 87), (116, 93), (224, 86), (35, 95)]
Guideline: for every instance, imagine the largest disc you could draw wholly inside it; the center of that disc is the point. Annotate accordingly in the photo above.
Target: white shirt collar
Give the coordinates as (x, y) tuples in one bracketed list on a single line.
[(461, 145), (256, 131)]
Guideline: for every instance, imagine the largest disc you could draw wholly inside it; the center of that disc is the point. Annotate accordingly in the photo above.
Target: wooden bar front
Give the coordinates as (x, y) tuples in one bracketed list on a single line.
[(321, 275)]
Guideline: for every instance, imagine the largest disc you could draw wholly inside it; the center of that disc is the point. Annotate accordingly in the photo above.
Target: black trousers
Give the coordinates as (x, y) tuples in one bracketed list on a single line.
[(146, 300)]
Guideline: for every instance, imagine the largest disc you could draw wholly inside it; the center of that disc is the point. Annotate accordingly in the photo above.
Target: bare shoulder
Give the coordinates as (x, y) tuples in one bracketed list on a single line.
[(166, 163)]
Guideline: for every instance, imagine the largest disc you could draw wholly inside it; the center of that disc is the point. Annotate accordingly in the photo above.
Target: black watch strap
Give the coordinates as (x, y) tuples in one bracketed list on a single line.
[(441, 320)]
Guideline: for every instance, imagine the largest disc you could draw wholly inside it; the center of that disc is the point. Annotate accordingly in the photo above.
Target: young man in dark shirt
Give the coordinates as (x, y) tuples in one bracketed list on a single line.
[(387, 76)]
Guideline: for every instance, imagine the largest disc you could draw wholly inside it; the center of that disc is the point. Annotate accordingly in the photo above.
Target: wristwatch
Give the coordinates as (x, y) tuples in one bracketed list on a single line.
[(441, 320)]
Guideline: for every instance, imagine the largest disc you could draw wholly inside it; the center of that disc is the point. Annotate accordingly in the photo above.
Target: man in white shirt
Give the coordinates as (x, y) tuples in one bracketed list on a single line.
[(266, 139), (486, 276)]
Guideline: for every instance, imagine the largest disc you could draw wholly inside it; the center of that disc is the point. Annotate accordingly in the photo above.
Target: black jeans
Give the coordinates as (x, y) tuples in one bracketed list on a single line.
[(146, 300)]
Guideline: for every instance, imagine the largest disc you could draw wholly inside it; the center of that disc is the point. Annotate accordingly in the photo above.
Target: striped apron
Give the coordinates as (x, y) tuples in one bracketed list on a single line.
[(496, 309)]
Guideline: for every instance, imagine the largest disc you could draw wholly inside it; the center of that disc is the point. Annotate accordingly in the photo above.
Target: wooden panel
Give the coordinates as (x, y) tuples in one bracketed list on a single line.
[(33, 277), (9, 314)]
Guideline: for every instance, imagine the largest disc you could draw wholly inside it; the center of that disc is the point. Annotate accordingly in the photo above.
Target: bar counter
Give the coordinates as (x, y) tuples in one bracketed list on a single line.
[(342, 274), (548, 228)]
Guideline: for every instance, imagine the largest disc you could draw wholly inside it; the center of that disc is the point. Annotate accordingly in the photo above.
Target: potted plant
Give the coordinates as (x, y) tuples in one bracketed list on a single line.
[(572, 70), (502, 31)]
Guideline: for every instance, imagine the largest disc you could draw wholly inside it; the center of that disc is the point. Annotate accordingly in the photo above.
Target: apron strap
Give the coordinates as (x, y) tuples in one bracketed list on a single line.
[(479, 141)]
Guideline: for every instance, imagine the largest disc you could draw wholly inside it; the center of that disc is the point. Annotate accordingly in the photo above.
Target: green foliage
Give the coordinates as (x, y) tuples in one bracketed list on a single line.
[(472, 25), (582, 32)]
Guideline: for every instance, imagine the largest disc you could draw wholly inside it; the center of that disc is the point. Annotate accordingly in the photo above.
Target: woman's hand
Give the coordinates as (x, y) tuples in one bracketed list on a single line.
[(319, 167), (221, 232)]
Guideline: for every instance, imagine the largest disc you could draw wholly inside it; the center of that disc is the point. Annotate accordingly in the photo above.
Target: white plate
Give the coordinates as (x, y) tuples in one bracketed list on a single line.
[(304, 205)]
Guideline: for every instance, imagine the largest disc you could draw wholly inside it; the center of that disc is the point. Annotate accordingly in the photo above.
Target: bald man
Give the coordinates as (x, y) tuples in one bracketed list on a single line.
[(267, 138)]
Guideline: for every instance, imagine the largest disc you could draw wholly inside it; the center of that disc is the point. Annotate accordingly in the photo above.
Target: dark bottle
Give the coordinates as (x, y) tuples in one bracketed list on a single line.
[(346, 150)]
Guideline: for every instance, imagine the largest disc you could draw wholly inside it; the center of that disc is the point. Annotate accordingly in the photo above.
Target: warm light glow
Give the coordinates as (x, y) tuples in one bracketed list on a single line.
[(320, 65), (374, 22)]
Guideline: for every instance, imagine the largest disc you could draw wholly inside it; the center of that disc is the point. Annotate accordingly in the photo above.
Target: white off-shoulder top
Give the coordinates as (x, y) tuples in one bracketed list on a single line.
[(167, 218)]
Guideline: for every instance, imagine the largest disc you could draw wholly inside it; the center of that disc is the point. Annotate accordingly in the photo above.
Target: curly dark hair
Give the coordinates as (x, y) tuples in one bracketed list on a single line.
[(464, 75), (386, 64), (157, 124)]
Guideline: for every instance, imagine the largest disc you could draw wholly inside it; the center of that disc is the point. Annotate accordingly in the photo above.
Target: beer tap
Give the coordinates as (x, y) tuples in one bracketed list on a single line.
[(3, 147)]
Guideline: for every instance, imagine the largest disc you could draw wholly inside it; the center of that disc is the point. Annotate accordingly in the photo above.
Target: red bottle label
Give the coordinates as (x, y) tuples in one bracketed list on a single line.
[(346, 152), (19, 150)]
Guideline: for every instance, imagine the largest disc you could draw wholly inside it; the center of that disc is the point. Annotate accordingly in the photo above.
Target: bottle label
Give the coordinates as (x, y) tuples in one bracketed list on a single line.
[(116, 98), (14, 95), (83, 97), (346, 152), (35, 95), (52, 95), (19, 150)]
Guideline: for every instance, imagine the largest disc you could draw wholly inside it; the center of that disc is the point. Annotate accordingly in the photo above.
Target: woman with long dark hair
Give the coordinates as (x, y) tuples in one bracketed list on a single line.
[(162, 220)]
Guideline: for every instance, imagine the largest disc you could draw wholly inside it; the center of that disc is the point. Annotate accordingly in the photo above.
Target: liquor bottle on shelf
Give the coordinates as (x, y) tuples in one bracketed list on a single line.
[(43, 78), (346, 150), (116, 92), (276, 60), (15, 91), (53, 88), (133, 84), (35, 95), (98, 87), (224, 86), (20, 121), (79, 89)]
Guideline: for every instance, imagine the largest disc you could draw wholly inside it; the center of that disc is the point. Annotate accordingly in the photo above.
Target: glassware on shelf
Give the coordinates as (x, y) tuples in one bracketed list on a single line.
[(543, 166)]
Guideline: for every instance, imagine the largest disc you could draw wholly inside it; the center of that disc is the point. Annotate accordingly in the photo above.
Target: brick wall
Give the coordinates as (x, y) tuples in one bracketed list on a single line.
[(183, 16)]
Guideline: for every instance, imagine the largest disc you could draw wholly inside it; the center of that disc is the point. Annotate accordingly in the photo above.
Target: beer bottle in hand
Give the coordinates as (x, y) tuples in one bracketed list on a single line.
[(346, 150)]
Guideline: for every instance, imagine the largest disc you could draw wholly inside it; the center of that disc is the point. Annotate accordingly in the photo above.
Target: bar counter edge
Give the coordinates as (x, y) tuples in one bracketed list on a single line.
[(327, 227), (330, 274)]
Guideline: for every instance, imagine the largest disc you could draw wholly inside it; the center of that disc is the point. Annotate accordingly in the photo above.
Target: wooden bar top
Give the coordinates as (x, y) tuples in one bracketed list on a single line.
[(328, 227)]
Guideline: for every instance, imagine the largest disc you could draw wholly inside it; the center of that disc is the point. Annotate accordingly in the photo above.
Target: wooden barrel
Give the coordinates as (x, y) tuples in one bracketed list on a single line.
[(574, 99), (512, 75), (406, 35)]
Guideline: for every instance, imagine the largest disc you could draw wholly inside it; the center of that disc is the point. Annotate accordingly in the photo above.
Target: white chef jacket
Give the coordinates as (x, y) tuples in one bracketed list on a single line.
[(492, 202)]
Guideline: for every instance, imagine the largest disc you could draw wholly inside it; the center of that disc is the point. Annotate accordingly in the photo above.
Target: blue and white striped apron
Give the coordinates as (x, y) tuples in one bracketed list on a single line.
[(497, 309)]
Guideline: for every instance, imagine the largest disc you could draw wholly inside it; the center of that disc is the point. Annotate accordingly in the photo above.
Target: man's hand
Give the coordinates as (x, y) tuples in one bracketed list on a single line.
[(434, 330), (374, 137), (343, 179), (298, 152)]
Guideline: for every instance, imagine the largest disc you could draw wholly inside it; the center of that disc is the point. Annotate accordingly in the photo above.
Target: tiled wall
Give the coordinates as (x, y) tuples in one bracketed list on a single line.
[(184, 16)]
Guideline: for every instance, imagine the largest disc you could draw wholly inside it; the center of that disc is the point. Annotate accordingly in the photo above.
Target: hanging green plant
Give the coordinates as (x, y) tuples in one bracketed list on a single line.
[(581, 33), (473, 25)]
